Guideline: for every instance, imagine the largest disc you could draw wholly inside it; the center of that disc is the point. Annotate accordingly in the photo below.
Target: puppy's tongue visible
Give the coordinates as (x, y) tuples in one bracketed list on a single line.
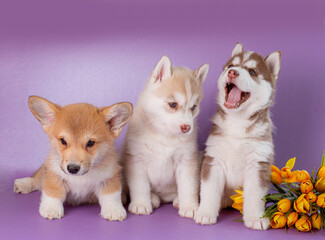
[(234, 96)]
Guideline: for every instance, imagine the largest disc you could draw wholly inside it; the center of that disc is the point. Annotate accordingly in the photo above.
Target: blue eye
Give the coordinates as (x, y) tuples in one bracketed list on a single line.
[(172, 104), (193, 108), (230, 66), (252, 72)]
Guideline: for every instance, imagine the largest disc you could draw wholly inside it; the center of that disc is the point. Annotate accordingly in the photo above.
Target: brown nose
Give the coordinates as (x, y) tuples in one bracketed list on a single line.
[(185, 128), (233, 73)]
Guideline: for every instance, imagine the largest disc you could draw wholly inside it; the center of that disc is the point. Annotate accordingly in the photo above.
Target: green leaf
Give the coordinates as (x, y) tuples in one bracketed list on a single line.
[(323, 158)]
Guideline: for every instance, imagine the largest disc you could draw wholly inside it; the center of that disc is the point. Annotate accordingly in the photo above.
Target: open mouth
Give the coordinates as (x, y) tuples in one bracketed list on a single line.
[(234, 96)]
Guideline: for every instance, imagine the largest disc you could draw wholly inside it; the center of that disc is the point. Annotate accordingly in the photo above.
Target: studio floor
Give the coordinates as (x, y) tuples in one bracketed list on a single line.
[(19, 219)]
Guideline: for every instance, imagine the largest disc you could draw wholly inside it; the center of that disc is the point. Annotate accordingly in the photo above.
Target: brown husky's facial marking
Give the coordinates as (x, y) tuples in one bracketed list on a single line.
[(245, 73)]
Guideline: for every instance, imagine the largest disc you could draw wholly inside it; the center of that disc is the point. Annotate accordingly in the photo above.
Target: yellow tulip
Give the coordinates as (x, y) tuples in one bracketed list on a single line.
[(320, 185), (292, 219), (301, 205), (284, 205), (303, 224), (321, 200), (238, 200), (311, 197), (303, 175), (321, 172), (286, 172), (306, 186), (293, 177), (278, 220), (276, 174), (316, 220)]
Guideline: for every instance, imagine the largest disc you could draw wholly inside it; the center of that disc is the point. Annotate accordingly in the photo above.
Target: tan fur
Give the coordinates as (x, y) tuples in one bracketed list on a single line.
[(112, 185), (176, 84), (206, 166), (70, 129)]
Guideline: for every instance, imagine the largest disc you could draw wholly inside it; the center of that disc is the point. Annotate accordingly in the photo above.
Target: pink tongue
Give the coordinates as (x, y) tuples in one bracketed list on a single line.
[(234, 96)]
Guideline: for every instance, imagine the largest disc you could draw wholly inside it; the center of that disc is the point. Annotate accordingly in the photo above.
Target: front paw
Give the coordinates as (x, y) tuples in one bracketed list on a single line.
[(257, 223), (205, 217), (51, 208), (113, 213), (188, 212), (140, 208)]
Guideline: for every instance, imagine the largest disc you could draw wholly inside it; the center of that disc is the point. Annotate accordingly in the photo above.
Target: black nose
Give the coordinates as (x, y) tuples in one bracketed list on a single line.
[(73, 168)]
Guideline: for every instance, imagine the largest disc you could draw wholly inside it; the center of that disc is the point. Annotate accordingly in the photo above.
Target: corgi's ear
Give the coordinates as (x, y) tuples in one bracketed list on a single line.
[(162, 71), (237, 49), (43, 110), (201, 73), (116, 116), (273, 62)]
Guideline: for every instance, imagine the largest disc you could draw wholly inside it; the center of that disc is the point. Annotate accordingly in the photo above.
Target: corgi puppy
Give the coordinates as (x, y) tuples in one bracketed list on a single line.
[(239, 150), (160, 156), (82, 166)]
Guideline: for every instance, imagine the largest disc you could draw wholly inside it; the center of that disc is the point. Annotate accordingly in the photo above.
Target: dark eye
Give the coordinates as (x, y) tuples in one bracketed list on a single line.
[(230, 66), (193, 108), (172, 104), (90, 143), (252, 72), (63, 142)]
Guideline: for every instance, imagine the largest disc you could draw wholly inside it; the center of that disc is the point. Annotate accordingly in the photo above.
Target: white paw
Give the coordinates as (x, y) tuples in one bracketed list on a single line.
[(155, 201), (257, 224), (188, 212), (51, 208), (23, 185), (205, 217), (113, 213), (140, 208), (175, 203)]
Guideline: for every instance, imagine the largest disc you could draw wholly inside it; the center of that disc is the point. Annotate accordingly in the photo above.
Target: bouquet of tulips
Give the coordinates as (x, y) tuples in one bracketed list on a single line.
[(298, 199)]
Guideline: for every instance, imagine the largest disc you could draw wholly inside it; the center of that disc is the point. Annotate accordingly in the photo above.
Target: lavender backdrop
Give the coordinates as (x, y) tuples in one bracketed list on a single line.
[(102, 52)]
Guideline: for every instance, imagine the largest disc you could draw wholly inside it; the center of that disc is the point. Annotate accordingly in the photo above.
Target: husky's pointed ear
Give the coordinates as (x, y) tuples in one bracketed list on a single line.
[(162, 71), (201, 73), (43, 110), (273, 62), (237, 49), (116, 116)]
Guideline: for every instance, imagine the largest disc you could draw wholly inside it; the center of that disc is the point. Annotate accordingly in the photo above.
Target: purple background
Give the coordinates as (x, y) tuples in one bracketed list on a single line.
[(103, 52)]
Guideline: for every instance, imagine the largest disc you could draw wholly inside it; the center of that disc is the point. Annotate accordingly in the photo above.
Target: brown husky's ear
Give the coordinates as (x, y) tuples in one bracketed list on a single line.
[(273, 62), (237, 49), (116, 116), (162, 71), (43, 110), (201, 73)]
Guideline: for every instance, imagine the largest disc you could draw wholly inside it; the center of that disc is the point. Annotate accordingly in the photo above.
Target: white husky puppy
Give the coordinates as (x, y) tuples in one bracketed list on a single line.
[(160, 151), (239, 149)]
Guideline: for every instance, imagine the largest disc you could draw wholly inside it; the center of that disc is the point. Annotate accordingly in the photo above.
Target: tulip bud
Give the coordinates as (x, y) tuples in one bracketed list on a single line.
[(302, 176), (278, 220), (284, 205), (301, 205), (320, 185), (303, 224), (311, 197), (293, 177), (276, 177), (292, 219), (306, 186), (316, 220), (321, 172), (286, 172), (321, 200)]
